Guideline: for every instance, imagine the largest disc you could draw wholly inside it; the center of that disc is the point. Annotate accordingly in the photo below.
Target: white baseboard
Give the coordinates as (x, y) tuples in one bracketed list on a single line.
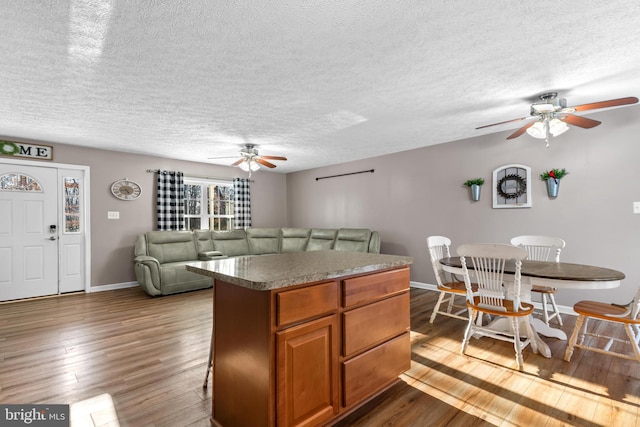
[(562, 308), (113, 286)]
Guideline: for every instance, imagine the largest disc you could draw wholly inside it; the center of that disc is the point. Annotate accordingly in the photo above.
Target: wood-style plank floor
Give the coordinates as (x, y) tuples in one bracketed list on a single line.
[(122, 358)]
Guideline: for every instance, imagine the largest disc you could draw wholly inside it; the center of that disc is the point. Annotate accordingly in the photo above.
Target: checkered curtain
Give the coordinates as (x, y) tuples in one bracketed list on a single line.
[(170, 202), (242, 203)]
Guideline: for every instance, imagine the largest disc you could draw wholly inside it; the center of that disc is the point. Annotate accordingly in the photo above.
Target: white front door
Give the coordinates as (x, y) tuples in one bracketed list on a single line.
[(28, 231)]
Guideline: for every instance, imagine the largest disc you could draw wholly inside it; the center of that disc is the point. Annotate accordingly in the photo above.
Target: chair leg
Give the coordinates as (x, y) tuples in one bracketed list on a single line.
[(452, 300), (555, 309), (209, 363), (515, 327), (633, 339), (437, 307), (545, 309), (531, 336), (583, 330), (574, 338), (467, 334)]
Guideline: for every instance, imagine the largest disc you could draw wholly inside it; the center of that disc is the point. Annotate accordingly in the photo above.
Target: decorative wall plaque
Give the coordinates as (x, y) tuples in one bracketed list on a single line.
[(512, 186)]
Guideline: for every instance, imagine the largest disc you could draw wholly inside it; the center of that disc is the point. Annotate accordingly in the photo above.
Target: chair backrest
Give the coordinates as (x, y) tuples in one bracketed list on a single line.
[(633, 308), (540, 248), (438, 249), (488, 261), (635, 305)]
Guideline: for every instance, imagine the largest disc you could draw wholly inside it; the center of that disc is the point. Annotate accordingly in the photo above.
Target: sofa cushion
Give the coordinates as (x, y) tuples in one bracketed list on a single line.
[(171, 246), (230, 243), (353, 240), (204, 242), (294, 239), (321, 239), (263, 240)]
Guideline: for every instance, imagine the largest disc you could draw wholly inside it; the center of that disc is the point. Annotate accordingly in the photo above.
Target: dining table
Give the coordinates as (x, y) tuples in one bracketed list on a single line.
[(560, 275)]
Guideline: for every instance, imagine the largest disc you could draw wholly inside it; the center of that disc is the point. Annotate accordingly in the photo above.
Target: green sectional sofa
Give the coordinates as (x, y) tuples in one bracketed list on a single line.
[(160, 256)]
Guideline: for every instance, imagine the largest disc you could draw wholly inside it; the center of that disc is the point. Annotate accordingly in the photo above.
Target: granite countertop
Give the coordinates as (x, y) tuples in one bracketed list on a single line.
[(266, 272)]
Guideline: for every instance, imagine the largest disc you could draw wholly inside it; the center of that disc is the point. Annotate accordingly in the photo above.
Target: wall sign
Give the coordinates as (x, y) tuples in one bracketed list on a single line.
[(21, 149), (511, 186)]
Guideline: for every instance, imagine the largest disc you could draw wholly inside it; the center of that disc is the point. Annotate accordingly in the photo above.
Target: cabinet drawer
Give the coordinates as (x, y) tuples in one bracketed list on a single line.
[(374, 286), (371, 324), (305, 303), (369, 372)]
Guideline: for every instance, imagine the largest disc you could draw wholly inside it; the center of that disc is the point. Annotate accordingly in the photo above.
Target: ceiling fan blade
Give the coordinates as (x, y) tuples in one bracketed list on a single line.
[(501, 123), (606, 104), (582, 122), (265, 163), (274, 157), (224, 157), (520, 131), (237, 162)]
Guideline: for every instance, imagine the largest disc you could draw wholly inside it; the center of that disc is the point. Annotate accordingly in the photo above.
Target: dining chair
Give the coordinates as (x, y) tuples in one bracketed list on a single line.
[(626, 315), (543, 248), (495, 296), (448, 285)]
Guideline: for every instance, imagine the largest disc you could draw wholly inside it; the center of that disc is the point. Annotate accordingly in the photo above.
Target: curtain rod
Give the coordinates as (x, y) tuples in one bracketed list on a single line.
[(345, 174), (199, 176)]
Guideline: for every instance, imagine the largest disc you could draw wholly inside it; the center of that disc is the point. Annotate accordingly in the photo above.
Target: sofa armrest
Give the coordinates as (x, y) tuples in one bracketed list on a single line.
[(147, 270), (374, 243), (210, 255)]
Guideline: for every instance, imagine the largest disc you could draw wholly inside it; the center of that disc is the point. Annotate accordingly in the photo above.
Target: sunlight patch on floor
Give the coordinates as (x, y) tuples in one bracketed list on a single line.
[(95, 411)]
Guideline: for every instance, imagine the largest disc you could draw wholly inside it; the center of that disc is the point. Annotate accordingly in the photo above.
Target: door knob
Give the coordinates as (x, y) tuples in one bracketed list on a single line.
[(52, 238)]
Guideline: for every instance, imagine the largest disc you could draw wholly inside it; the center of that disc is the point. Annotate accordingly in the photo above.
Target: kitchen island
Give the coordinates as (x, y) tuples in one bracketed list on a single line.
[(305, 338)]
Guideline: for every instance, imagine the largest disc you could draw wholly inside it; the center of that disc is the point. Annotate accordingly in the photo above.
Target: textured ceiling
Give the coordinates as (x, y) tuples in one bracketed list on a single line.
[(320, 82)]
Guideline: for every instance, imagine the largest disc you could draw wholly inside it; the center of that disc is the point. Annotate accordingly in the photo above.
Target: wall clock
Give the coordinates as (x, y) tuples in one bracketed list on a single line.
[(511, 186), (125, 189)]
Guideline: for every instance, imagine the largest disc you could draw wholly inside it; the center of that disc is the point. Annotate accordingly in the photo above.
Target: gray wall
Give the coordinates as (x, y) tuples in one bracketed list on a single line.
[(112, 241), (412, 195), (418, 193)]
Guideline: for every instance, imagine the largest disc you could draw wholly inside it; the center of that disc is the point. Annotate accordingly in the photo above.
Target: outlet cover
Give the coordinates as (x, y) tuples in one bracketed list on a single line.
[(636, 207), (113, 215)]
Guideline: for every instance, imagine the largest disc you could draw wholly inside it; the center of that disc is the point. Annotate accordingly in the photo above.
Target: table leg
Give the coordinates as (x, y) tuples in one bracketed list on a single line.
[(543, 329)]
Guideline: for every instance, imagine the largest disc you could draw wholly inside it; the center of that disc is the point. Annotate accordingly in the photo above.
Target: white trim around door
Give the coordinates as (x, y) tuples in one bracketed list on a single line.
[(82, 244)]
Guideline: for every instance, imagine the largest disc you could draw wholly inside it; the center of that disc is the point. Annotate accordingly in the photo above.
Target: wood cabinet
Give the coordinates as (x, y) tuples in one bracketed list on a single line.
[(309, 354)]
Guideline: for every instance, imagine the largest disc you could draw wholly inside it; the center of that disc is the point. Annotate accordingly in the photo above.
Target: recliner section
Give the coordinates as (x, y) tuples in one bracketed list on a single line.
[(162, 255)]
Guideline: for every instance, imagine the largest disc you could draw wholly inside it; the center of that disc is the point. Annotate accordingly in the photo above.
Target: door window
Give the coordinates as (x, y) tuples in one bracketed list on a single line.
[(19, 182)]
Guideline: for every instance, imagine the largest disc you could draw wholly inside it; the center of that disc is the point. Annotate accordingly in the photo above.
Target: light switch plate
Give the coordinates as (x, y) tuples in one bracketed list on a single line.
[(113, 215), (636, 207)]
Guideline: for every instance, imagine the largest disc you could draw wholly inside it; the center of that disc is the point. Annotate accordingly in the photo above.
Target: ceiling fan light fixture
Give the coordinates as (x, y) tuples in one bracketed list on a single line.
[(538, 130), (249, 165), (557, 127)]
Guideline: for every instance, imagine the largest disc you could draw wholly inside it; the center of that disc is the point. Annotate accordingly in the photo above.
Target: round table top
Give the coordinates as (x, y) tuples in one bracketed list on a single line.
[(553, 270)]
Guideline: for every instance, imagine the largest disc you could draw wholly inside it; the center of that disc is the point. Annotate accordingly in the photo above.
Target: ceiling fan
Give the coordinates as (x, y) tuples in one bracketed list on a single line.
[(553, 116), (250, 160)]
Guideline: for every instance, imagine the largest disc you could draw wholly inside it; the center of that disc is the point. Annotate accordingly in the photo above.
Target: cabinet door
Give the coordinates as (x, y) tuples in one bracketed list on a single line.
[(307, 373)]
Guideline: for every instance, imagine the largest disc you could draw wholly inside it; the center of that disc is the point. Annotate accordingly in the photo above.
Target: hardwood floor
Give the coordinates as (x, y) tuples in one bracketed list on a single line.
[(121, 358)]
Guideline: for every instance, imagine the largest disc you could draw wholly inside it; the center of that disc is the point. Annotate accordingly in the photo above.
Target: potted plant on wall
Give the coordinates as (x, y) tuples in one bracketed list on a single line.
[(552, 177), (474, 185)]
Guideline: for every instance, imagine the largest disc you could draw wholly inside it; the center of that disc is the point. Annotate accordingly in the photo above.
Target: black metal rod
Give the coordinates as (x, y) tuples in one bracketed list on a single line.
[(345, 174)]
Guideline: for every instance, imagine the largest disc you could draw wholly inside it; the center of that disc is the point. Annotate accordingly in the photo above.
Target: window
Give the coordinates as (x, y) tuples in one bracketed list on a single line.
[(208, 205), (19, 182), (71, 205)]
